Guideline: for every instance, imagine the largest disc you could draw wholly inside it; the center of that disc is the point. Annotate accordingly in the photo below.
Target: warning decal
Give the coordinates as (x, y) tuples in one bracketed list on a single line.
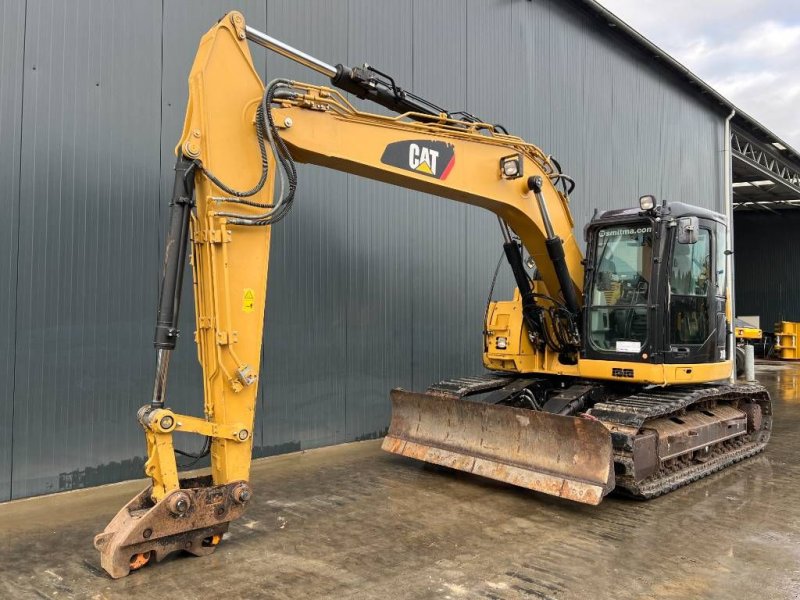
[(248, 301)]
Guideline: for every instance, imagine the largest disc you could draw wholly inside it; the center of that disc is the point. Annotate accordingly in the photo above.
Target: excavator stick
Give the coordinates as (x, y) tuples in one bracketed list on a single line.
[(569, 457)]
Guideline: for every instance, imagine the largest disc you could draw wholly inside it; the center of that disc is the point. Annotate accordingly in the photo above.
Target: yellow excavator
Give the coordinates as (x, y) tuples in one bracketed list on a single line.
[(604, 372)]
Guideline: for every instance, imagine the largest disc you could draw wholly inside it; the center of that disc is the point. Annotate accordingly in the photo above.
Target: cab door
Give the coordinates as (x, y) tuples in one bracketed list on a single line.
[(692, 304), (721, 291)]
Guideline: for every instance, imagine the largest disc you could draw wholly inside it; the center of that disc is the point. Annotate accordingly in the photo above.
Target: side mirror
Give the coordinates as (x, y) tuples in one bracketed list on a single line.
[(688, 230)]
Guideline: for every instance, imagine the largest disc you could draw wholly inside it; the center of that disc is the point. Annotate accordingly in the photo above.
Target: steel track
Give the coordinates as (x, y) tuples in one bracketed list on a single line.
[(626, 416)]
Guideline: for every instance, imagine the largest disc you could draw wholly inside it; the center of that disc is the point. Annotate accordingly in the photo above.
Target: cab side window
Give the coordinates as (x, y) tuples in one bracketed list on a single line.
[(722, 280), (690, 278)]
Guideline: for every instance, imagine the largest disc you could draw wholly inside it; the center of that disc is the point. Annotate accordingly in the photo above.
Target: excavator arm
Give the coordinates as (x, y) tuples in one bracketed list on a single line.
[(221, 139)]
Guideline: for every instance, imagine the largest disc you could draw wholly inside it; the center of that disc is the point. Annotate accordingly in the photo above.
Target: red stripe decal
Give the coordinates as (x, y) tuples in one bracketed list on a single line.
[(448, 168)]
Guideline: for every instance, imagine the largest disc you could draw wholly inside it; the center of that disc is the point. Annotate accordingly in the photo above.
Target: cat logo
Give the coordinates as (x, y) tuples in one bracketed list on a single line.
[(422, 159), (426, 157)]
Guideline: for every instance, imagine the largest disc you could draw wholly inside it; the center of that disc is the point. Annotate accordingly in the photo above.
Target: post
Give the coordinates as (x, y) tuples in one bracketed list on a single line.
[(749, 362), (727, 159)]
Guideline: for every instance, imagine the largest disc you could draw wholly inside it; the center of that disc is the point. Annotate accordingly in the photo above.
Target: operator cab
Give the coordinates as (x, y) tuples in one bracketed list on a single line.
[(655, 288)]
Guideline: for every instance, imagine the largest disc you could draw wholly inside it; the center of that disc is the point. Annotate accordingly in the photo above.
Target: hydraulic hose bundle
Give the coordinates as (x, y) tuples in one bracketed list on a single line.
[(265, 127)]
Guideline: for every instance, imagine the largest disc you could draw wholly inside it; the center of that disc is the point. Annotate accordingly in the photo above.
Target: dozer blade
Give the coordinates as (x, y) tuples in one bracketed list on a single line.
[(569, 457)]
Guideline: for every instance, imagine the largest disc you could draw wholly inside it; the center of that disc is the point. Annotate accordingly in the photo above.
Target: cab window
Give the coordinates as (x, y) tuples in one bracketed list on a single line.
[(690, 278), (620, 287), (721, 262)]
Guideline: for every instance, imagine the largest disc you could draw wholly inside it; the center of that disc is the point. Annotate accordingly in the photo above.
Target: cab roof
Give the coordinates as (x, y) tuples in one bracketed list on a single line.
[(669, 210)]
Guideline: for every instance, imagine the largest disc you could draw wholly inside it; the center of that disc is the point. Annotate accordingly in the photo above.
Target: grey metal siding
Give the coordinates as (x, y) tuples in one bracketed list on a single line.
[(438, 257), (767, 282), (370, 286), (489, 75), (380, 280), (304, 369), (12, 36), (87, 245)]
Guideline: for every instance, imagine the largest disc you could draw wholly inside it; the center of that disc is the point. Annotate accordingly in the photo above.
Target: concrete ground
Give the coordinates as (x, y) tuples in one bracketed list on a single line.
[(354, 522)]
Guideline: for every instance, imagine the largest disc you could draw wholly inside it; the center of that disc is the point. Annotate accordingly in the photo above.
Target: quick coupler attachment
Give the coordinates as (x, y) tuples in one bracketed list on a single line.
[(192, 518)]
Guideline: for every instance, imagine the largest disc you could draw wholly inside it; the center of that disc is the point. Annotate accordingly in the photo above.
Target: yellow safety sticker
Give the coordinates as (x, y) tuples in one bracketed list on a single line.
[(248, 300)]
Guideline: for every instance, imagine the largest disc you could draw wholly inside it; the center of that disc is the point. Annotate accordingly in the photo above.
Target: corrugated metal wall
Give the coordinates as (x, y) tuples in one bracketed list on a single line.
[(12, 29), (87, 236), (767, 283), (92, 95)]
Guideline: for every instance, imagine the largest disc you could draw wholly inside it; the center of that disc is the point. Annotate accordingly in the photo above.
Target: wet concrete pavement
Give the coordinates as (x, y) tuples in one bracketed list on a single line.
[(354, 522)]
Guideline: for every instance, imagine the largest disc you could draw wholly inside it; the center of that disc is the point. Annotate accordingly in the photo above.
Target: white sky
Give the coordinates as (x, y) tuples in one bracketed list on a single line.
[(749, 50)]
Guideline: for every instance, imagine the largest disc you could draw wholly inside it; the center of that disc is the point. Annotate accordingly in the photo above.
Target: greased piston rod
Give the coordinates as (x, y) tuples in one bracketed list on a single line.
[(262, 39)]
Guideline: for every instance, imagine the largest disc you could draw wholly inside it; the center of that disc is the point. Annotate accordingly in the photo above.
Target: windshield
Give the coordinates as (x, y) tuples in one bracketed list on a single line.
[(620, 286)]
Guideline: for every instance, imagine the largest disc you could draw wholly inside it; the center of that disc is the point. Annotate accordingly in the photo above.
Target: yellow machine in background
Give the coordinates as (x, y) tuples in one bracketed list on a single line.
[(605, 372), (745, 334), (748, 332), (786, 335)]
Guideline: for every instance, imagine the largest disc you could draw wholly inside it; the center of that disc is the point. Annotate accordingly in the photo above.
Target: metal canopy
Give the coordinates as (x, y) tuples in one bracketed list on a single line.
[(763, 179)]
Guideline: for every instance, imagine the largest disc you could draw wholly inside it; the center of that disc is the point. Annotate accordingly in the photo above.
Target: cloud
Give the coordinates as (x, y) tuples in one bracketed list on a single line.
[(749, 50)]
